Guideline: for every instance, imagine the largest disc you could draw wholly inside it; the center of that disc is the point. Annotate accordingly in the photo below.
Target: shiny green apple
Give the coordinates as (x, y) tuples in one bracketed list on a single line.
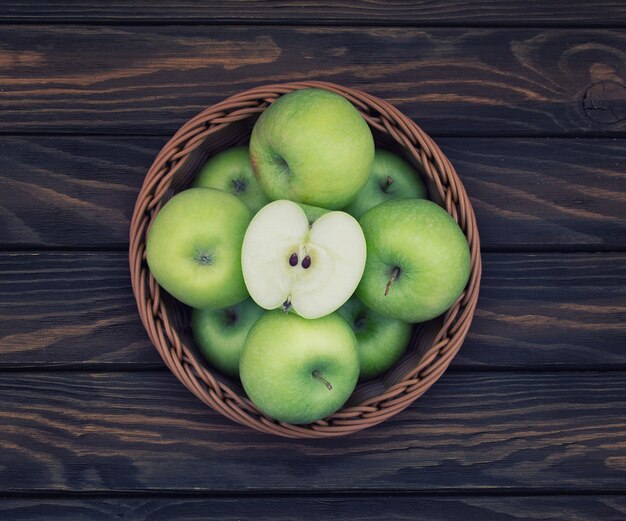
[(418, 260), (381, 340), (231, 171), (298, 370), (220, 334), (391, 178), (194, 248), (312, 146)]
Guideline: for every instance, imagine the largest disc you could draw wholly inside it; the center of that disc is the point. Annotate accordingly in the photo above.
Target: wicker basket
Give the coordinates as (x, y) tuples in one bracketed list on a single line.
[(434, 344)]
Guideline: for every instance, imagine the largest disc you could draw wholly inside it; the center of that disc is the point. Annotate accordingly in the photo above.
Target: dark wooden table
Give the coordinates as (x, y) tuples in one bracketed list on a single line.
[(528, 99)]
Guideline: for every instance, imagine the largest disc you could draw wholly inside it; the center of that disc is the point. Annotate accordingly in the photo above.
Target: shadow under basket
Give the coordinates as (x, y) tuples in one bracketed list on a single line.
[(433, 345)]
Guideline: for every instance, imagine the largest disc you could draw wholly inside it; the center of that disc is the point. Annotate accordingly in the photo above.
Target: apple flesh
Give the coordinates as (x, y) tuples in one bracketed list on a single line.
[(312, 146), (381, 340), (194, 248), (231, 171), (220, 334), (391, 178), (310, 269), (418, 260), (297, 370)]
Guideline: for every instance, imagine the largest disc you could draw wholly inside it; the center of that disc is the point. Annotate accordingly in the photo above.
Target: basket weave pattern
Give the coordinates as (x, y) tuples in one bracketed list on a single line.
[(434, 344)]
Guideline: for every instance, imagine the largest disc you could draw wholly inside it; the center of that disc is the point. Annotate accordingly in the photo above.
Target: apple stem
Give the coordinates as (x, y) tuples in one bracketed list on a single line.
[(388, 183), (318, 375), (287, 305), (394, 276)]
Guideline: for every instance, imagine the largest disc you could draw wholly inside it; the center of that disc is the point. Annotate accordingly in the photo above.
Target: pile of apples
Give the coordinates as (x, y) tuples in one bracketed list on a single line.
[(267, 249)]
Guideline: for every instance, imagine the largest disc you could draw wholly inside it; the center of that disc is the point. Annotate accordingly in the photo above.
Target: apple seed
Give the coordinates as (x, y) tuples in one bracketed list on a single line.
[(306, 262), (293, 260)]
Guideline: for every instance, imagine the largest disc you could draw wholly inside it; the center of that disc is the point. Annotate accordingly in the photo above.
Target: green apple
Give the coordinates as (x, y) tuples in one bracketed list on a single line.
[(418, 260), (220, 334), (391, 178), (312, 146), (381, 340), (310, 269), (194, 248), (297, 370), (231, 171)]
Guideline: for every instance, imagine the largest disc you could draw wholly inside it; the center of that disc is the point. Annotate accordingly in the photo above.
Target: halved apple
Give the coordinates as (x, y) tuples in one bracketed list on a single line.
[(310, 269)]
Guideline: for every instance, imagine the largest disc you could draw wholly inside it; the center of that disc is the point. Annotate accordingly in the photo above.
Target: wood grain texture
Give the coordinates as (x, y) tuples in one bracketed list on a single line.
[(527, 193), (399, 508), (493, 82), (77, 192), (539, 311), (348, 12), (565, 311), (76, 308), (544, 193), (144, 431)]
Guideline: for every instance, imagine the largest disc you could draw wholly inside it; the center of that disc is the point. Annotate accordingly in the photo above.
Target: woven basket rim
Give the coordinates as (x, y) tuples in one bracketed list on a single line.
[(373, 402)]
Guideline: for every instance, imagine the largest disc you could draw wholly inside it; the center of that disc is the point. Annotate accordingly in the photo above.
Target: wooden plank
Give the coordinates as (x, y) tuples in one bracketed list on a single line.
[(71, 191), (495, 82), (554, 508), (378, 12), (566, 311), (94, 432), (527, 193), (70, 308), (535, 311), (544, 193)]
